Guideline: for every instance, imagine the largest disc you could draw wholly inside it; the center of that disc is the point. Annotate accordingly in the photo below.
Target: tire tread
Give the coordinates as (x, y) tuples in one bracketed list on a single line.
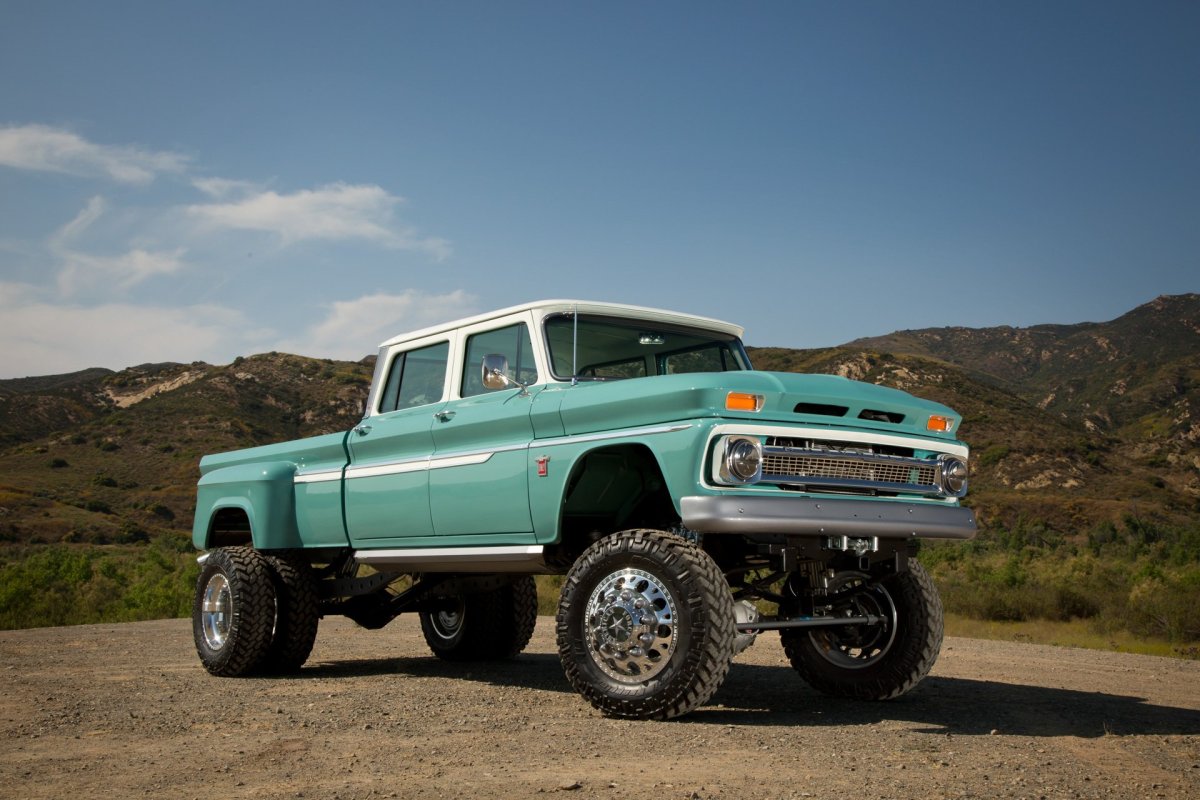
[(912, 656), (704, 591), (297, 613), (253, 596)]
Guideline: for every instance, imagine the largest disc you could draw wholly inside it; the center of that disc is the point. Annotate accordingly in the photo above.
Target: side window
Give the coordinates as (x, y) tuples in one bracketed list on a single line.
[(704, 359), (416, 378), (513, 343)]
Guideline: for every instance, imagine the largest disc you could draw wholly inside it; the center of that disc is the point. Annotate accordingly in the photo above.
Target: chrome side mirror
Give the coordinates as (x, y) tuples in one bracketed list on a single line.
[(495, 372), (495, 375)]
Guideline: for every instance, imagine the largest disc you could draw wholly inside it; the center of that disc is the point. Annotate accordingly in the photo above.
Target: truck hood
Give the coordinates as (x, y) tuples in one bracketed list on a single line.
[(789, 398), (833, 400)]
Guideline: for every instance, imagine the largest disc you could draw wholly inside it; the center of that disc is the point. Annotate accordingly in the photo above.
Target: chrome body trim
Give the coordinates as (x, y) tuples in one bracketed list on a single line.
[(469, 458), (584, 438), (503, 558), (464, 459)]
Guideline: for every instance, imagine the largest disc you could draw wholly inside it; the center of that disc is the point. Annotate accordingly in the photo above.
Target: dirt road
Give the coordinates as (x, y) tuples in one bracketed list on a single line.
[(127, 711)]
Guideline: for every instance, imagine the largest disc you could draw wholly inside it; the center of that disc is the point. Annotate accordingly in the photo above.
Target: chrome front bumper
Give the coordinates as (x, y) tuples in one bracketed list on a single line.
[(808, 517)]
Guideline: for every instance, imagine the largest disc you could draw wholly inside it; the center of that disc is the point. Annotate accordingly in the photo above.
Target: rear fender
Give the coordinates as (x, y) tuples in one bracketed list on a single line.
[(263, 492)]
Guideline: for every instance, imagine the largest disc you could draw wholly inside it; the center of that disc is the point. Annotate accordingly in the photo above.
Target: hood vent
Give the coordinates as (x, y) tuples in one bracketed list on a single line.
[(881, 416), (821, 409)]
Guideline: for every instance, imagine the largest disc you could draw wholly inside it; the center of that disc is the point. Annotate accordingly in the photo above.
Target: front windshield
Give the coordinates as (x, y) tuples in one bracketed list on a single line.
[(610, 348)]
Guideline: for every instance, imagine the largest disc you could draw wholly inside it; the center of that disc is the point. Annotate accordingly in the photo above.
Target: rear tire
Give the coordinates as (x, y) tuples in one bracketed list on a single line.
[(489, 626), (875, 662), (297, 613), (233, 612)]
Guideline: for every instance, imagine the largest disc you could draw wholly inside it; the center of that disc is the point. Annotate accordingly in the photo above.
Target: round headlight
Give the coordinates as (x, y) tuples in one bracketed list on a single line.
[(743, 459), (954, 476)]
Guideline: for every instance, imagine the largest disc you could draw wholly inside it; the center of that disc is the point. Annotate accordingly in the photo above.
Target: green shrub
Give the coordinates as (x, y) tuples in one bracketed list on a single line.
[(993, 454), (72, 585), (159, 510)]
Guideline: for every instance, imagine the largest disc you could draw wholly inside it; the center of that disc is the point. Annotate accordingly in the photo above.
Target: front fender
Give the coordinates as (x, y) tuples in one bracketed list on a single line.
[(265, 492)]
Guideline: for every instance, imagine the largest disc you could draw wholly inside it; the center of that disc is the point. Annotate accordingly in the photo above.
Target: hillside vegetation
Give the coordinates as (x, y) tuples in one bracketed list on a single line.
[(1085, 467)]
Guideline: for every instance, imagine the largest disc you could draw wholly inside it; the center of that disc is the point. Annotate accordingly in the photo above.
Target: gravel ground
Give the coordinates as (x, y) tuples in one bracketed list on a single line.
[(127, 711)]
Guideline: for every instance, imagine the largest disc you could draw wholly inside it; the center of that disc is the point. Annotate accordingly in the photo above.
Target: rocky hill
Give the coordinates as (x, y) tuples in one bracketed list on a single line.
[(101, 456), (1135, 376), (1070, 426), (1094, 415)]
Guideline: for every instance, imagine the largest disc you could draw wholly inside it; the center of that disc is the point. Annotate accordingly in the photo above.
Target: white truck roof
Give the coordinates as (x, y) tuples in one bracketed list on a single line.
[(545, 308)]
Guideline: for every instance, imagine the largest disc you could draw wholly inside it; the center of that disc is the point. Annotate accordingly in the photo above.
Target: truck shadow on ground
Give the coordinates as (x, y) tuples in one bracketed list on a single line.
[(776, 696), (761, 695)]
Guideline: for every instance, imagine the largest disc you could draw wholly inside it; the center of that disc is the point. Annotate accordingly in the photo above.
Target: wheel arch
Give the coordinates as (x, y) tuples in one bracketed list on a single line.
[(613, 487), (229, 526), (247, 504)]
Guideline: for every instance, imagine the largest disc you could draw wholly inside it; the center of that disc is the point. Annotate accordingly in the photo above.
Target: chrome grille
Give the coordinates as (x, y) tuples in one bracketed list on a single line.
[(849, 470)]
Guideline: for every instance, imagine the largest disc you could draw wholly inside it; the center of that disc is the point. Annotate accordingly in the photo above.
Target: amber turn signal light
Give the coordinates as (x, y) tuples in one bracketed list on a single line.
[(941, 424), (742, 401)]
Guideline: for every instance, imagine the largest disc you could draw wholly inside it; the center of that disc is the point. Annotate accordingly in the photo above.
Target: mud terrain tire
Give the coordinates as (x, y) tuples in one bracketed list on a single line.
[(645, 625), (297, 613), (870, 662), (488, 626), (233, 612)]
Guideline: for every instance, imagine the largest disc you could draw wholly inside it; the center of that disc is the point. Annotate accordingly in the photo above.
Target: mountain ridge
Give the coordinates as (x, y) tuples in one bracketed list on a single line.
[(1070, 426)]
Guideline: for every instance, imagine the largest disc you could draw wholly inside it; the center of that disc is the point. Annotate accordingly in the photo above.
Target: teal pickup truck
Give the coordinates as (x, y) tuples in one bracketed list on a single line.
[(690, 501)]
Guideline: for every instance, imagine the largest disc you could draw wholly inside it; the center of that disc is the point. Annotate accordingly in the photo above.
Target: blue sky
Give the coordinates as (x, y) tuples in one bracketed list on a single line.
[(198, 181)]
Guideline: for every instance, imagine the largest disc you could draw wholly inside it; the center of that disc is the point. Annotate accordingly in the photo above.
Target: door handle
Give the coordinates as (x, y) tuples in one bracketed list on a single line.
[(362, 430), (444, 416)]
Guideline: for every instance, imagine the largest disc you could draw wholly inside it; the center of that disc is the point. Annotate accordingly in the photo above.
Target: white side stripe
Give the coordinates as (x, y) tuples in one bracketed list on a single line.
[(396, 468)]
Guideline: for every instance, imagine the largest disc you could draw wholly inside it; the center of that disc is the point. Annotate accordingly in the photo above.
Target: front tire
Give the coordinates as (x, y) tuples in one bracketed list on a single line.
[(645, 625), (873, 662), (233, 612)]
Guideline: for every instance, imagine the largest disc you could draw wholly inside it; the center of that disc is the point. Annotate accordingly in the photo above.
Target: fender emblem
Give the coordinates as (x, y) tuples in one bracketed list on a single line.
[(543, 468)]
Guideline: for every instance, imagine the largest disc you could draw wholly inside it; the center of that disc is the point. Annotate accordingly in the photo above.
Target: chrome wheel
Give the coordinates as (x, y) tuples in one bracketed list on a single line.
[(645, 625), (857, 646), (216, 611), (234, 611), (447, 622), (630, 625)]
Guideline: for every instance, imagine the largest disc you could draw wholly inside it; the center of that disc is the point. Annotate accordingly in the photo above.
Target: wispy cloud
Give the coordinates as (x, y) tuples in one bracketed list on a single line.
[(353, 328), (224, 187), (81, 270), (337, 211), (45, 338), (75, 311), (47, 149)]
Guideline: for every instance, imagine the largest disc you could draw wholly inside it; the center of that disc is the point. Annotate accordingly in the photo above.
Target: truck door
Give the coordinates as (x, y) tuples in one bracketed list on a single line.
[(387, 481), (479, 476)]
